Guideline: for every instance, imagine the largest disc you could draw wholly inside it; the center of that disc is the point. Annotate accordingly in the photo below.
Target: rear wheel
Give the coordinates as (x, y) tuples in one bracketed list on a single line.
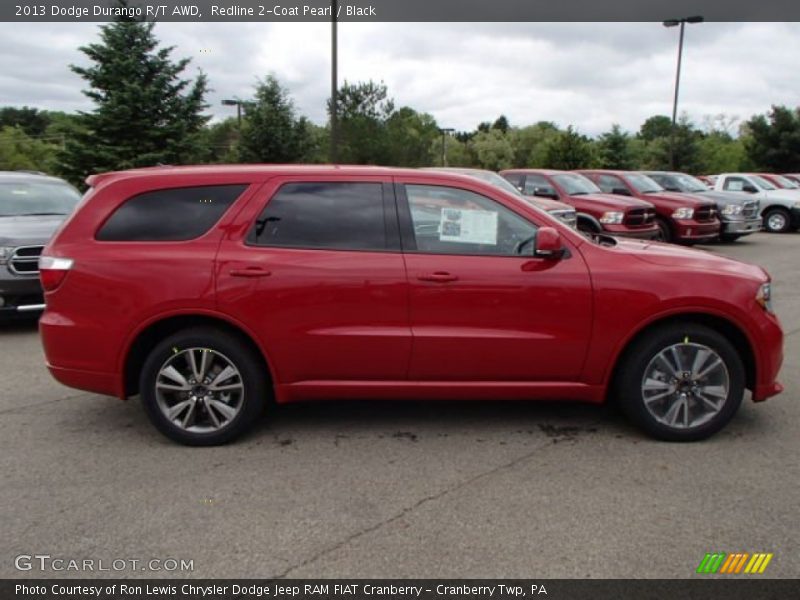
[(203, 387), (777, 220), (682, 382), (664, 232)]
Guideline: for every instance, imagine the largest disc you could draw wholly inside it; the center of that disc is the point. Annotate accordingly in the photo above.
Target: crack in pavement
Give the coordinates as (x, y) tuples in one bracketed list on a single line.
[(409, 509)]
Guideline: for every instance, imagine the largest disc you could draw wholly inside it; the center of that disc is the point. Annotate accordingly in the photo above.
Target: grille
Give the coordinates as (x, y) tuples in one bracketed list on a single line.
[(750, 209), (706, 212), (639, 216), (25, 260)]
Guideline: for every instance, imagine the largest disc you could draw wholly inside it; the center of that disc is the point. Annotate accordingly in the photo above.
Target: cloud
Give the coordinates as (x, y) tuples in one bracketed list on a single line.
[(586, 74)]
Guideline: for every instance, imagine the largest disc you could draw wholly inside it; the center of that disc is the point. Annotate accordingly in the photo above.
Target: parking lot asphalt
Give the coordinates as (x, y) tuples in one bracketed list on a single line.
[(400, 489)]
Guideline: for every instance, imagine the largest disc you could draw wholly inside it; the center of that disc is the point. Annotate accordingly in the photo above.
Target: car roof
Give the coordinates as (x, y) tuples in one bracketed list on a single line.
[(536, 171)]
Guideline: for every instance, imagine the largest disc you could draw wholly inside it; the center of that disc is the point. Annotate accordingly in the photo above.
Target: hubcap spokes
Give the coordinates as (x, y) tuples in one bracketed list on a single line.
[(199, 390), (685, 385)]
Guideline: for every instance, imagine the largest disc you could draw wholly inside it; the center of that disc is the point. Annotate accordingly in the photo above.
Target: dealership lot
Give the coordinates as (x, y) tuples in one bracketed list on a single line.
[(401, 489)]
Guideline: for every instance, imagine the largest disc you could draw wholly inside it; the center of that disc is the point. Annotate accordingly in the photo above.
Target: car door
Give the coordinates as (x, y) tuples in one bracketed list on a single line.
[(315, 269), (482, 307)]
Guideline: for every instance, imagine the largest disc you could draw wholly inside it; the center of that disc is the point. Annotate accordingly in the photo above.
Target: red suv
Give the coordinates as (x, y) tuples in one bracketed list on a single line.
[(597, 212), (681, 217), (210, 290)]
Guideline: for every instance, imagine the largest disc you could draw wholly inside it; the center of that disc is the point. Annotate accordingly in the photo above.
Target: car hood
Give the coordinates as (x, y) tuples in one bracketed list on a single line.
[(666, 255), (724, 197), (547, 204), (31, 230), (677, 199), (612, 201)]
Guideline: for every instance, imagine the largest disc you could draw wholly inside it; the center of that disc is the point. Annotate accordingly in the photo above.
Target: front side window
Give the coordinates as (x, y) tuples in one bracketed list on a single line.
[(454, 221), (733, 184), (170, 215), (534, 183), (610, 183), (575, 184), (643, 184), (327, 215)]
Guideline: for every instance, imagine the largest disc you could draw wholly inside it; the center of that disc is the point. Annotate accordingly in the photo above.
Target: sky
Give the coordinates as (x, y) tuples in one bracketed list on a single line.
[(589, 75)]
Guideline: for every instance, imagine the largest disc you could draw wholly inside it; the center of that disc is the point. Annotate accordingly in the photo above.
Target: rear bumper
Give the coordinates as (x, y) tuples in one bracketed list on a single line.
[(90, 381), (743, 227)]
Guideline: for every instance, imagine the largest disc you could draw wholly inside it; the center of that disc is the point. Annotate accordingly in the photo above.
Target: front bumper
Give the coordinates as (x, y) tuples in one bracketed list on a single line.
[(692, 231), (741, 227), (649, 233), (20, 296)]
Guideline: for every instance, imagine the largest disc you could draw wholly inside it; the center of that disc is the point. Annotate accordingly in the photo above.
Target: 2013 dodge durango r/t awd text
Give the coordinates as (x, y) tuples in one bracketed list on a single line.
[(211, 290)]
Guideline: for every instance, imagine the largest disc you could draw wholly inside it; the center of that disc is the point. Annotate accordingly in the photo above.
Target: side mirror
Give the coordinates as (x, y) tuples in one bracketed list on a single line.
[(548, 244), (621, 191), (749, 188), (545, 193)]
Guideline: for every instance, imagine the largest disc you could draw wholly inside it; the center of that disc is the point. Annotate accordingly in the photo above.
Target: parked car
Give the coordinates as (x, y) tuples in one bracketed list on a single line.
[(779, 181), (209, 290), (793, 177), (32, 206), (780, 209), (707, 179), (560, 210), (682, 218), (596, 212), (739, 216)]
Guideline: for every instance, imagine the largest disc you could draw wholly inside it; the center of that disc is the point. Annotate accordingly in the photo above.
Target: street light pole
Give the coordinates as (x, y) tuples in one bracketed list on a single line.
[(334, 150), (238, 104), (445, 131), (673, 23)]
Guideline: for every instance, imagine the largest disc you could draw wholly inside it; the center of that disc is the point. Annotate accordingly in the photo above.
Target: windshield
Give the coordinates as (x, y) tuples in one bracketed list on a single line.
[(23, 198), (493, 178), (785, 182), (687, 183), (643, 184), (762, 183), (576, 185)]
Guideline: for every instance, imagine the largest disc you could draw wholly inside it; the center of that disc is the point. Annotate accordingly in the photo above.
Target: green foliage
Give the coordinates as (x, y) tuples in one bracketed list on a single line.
[(773, 143), (530, 144), (657, 126), (30, 120), (614, 150), (411, 138), (568, 150), (363, 110), (145, 113), (657, 148), (492, 150), (20, 151), (271, 131)]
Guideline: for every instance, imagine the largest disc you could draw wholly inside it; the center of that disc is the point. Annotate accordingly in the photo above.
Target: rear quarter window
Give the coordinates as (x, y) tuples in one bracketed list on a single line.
[(173, 215)]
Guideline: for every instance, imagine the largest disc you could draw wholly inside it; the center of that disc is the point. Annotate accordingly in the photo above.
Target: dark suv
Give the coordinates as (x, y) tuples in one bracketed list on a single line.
[(682, 218), (32, 206), (596, 212)]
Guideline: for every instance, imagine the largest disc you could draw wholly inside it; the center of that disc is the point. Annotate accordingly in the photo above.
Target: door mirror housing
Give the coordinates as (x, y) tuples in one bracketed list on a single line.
[(621, 191), (548, 244), (749, 188)]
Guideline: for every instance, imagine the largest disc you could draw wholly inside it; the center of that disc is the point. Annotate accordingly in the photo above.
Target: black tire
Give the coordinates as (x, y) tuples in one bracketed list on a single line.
[(777, 220), (629, 382), (586, 228), (664, 231), (254, 383)]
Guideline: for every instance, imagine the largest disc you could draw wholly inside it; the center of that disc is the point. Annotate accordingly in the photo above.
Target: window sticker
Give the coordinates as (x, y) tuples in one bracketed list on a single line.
[(735, 186), (468, 226)]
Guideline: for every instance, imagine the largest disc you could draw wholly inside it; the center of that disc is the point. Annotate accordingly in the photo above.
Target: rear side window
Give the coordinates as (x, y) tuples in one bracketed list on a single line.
[(339, 216), (176, 214)]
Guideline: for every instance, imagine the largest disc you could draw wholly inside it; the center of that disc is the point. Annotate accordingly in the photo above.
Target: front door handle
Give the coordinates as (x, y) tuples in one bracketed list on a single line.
[(250, 272), (438, 277)]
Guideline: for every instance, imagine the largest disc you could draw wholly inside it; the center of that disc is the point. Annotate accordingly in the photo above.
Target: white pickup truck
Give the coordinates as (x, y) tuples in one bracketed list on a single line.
[(780, 209)]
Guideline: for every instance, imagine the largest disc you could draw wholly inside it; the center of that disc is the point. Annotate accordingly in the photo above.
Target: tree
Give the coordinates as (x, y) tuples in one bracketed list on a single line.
[(530, 143), (20, 151), (502, 124), (568, 150), (145, 112), (272, 132), (364, 109), (773, 143), (411, 136), (492, 150), (614, 150), (657, 147), (657, 126)]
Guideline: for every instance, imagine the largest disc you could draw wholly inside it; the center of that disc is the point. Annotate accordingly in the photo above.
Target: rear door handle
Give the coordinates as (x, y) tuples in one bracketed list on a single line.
[(438, 277), (250, 272)]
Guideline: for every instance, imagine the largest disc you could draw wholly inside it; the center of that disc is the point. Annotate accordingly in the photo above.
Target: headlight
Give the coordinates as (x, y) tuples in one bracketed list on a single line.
[(612, 218), (684, 212), (5, 254), (764, 296), (732, 209)]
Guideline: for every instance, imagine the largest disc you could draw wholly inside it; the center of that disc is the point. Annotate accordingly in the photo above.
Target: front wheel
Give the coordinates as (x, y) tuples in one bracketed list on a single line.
[(777, 220), (682, 382), (664, 232), (203, 387)]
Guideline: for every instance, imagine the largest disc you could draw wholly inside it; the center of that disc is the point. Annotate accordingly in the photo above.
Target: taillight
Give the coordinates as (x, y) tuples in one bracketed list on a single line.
[(52, 271)]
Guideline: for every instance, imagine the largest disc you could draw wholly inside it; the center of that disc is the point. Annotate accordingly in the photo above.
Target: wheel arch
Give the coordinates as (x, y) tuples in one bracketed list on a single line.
[(587, 218), (730, 330), (156, 330)]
